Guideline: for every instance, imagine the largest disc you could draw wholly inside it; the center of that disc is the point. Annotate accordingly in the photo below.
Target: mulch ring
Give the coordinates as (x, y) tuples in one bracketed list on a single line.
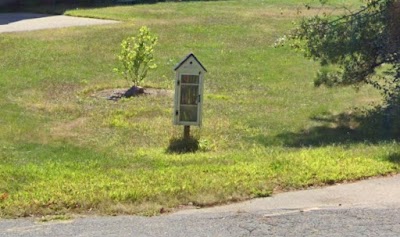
[(119, 93)]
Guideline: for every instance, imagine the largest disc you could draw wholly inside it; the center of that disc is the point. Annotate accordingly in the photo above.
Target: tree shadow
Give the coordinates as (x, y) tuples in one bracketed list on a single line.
[(394, 158), (19, 10), (7, 18), (57, 7), (61, 6), (373, 126)]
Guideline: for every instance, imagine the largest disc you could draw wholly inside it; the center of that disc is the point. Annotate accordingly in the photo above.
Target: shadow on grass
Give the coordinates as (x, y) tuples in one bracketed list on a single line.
[(182, 145), (394, 158), (372, 126), (7, 18), (59, 7)]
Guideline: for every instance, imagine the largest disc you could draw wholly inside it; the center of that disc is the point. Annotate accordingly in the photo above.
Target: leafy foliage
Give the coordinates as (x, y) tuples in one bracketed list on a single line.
[(353, 47), (136, 56), (356, 48)]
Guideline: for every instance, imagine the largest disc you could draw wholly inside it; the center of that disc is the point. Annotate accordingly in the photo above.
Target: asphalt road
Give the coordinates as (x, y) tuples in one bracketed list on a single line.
[(366, 208), (17, 22)]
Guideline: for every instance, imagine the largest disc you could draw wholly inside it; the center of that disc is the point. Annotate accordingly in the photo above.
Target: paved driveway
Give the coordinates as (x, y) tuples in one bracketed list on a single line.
[(15, 22)]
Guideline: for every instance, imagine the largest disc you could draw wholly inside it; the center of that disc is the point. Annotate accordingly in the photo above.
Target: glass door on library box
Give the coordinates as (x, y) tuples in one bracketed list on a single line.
[(189, 100)]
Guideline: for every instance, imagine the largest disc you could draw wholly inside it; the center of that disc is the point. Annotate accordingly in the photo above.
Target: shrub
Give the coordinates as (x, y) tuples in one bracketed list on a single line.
[(136, 56)]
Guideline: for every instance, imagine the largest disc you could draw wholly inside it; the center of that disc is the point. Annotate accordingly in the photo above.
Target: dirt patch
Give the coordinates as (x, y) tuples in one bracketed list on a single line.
[(118, 93)]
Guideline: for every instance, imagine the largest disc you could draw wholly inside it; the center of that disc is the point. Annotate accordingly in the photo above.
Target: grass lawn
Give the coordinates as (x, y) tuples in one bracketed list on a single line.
[(64, 149)]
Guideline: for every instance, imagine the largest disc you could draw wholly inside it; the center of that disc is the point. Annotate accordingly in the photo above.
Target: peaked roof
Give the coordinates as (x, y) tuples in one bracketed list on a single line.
[(186, 58)]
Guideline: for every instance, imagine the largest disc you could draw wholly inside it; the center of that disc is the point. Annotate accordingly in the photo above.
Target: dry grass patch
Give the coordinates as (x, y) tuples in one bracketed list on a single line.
[(69, 129)]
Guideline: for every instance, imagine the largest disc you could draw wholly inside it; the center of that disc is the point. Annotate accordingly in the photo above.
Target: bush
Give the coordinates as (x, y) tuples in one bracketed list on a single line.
[(136, 56)]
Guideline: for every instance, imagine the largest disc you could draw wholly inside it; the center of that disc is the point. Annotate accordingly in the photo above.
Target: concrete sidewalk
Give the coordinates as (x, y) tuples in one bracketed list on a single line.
[(17, 22)]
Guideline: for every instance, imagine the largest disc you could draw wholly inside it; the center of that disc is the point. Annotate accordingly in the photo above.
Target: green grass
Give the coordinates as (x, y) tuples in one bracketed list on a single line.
[(64, 150)]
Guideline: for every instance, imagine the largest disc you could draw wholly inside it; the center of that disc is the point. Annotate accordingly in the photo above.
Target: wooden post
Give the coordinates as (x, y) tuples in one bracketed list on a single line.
[(186, 132)]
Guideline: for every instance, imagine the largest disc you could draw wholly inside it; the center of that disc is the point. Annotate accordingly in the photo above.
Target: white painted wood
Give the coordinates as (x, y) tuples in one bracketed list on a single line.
[(189, 86)]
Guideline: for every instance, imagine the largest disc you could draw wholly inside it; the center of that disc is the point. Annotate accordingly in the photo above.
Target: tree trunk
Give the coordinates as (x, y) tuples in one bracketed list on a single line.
[(394, 26)]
